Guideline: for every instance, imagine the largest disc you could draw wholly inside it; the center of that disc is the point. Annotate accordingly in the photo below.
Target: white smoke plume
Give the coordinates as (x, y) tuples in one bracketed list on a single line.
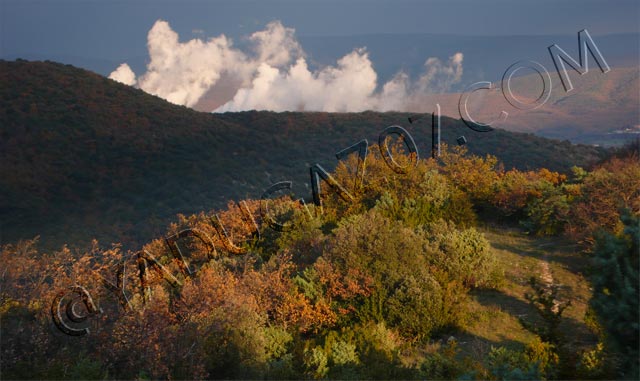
[(348, 87), (182, 72), (439, 77), (124, 74), (275, 75)]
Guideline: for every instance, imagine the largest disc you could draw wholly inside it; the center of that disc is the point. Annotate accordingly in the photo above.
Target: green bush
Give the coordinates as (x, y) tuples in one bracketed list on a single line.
[(416, 306), (236, 344), (545, 355), (316, 362), (442, 365), (507, 364), (429, 200), (549, 307), (277, 342), (465, 255), (593, 363), (409, 293), (616, 289), (379, 351), (548, 214)]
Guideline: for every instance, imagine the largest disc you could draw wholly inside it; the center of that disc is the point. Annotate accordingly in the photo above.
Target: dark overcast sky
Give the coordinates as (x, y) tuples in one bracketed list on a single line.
[(115, 29)]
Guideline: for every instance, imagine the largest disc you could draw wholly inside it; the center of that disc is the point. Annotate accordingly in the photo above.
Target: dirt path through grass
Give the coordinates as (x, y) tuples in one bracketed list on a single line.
[(495, 314)]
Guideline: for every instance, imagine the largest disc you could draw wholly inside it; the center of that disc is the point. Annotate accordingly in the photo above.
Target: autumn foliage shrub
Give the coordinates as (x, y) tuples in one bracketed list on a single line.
[(605, 192)]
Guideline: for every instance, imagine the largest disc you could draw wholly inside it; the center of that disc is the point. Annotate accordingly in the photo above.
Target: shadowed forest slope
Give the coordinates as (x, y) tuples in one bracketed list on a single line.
[(82, 156)]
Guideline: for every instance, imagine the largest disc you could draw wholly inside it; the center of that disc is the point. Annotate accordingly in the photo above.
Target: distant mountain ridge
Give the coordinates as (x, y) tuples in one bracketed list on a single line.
[(83, 156), (594, 113), (597, 111)]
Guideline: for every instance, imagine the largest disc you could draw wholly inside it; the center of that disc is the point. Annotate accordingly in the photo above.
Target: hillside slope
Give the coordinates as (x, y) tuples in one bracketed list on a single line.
[(83, 156)]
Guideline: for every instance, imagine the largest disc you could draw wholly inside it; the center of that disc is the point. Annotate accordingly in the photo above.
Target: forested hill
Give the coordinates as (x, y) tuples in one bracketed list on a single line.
[(83, 156)]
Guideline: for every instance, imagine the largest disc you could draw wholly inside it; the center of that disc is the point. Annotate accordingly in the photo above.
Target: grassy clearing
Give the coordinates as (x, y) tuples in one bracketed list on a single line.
[(494, 314)]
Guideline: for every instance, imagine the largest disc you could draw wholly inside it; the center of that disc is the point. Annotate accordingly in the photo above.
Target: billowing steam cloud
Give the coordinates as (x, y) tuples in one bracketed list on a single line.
[(275, 75), (124, 74), (348, 87)]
